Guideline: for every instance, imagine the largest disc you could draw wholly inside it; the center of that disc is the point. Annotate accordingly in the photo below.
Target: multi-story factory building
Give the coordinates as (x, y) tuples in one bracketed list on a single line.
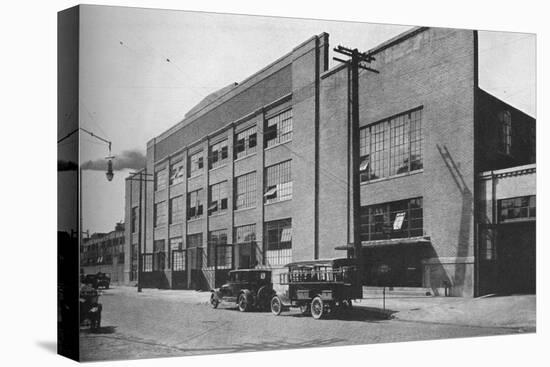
[(260, 172)]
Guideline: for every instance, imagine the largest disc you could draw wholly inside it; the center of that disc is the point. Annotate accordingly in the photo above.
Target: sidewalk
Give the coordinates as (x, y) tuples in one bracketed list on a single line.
[(515, 311)]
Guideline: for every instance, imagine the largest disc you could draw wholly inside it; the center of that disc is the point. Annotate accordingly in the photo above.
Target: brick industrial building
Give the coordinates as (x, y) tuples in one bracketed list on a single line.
[(259, 173)]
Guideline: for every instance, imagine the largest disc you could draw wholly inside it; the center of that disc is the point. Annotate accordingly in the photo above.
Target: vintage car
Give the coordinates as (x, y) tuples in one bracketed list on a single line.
[(247, 288), (318, 287), (97, 280)]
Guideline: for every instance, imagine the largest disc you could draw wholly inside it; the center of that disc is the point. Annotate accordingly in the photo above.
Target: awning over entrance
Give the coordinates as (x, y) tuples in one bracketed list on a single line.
[(389, 242)]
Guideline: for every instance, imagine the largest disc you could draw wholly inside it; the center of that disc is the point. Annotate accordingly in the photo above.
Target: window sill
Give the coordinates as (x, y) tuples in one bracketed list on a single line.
[(418, 171), (162, 226), (245, 209), (277, 202), (194, 219), (175, 184), (278, 144), (176, 224), (194, 176), (244, 157), (217, 167), (218, 214)]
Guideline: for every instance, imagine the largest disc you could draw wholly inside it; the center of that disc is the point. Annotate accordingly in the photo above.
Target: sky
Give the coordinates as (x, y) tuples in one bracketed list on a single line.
[(143, 69)]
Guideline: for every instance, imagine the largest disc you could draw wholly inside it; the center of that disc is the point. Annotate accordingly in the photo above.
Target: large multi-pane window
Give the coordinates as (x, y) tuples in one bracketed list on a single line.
[(278, 242), (194, 240), (244, 239), (245, 142), (396, 219), (217, 154), (175, 211), (278, 183), (194, 204), (177, 174), (278, 129), (391, 147), (245, 191), (218, 198), (178, 253), (160, 179), (505, 132), (517, 209), (159, 215), (159, 255), (219, 252), (195, 164), (134, 219)]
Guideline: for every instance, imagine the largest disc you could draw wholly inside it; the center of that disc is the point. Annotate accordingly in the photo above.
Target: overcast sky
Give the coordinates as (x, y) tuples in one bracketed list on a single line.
[(130, 92)]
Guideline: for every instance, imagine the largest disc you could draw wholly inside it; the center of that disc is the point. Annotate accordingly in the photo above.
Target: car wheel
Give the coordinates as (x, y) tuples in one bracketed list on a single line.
[(243, 303), (276, 306), (317, 308), (305, 309), (214, 301)]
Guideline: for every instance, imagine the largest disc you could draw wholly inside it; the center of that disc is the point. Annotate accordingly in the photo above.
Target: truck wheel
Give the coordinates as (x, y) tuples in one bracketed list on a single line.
[(214, 301), (243, 303), (317, 308), (276, 306)]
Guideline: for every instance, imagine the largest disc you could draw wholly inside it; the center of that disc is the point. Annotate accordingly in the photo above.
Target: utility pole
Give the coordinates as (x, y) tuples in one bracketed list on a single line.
[(355, 61)]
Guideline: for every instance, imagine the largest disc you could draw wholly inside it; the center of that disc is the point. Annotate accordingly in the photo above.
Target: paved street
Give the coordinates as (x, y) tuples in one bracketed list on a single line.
[(174, 323)]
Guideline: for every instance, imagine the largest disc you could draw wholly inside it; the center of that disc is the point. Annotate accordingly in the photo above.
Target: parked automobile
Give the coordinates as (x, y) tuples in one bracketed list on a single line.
[(97, 280), (247, 288), (318, 287)]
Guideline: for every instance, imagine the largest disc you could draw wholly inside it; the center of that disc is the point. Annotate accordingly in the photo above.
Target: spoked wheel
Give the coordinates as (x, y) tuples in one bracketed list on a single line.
[(305, 308), (243, 304), (317, 308), (276, 306), (214, 301)]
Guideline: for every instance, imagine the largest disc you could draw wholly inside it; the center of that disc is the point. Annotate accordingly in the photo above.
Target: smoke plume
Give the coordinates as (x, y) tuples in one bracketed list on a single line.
[(128, 159)]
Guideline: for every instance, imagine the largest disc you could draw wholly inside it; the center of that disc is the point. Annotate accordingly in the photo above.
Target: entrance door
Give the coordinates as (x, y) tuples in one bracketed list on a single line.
[(516, 257)]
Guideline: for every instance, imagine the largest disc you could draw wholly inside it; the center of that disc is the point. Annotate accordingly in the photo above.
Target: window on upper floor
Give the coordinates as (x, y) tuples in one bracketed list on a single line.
[(195, 164), (517, 209), (194, 204), (278, 183), (176, 172), (396, 219), (217, 154), (245, 191), (159, 215), (278, 129), (391, 147), (160, 179), (505, 132), (218, 198), (175, 210), (245, 142)]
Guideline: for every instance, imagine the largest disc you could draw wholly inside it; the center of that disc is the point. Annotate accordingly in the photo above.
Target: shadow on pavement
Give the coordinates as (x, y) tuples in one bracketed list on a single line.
[(48, 345)]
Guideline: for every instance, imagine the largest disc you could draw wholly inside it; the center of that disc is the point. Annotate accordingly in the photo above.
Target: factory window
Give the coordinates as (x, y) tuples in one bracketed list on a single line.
[(391, 147), (505, 132), (218, 198), (278, 183), (517, 209), (178, 253), (194, 204), (160, 179), (159, 215), (176, 172), (217, 154), (397, 219), (134, 219), (175, 212), (278, 242), (159, 255), (278, 129), (245, 191), (245, 142), (244, 238), (195, 164), (194, 240), (219, 252)]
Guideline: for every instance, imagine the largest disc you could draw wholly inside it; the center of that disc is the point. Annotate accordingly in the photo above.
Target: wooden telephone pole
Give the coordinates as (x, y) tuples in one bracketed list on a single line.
[(356, 60)]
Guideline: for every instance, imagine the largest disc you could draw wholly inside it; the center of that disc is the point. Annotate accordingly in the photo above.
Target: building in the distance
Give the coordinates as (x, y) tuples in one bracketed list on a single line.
[(104, 252), (259, 173)]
